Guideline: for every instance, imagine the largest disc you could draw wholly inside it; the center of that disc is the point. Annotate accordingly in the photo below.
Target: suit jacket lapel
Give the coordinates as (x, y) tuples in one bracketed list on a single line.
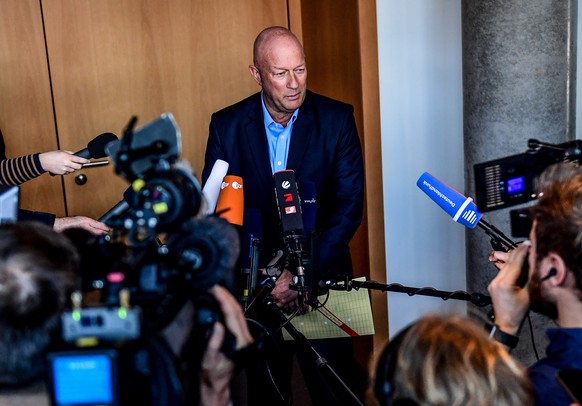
[(258, 147), (303, 130)]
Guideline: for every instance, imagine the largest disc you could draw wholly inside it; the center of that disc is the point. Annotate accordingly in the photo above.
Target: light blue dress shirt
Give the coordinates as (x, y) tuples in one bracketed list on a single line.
[(278, 137)]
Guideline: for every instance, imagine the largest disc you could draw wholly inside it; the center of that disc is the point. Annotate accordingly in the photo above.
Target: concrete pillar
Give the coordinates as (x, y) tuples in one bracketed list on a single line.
[(519, 76)]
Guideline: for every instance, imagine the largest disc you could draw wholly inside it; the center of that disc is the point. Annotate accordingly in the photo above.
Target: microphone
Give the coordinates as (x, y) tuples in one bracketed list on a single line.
[(211, 188), (460, 208), (309, 211), (308, 207), (252, 232), (230, 202), (252, 236), (288, 202), (120, 208), (289, 205), (96, 147), (463, 210)]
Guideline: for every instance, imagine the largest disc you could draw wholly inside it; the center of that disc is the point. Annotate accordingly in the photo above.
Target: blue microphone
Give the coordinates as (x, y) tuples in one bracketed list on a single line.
[(252, 234), (308, 198), (252, 237), (459, 207), (462, 210)]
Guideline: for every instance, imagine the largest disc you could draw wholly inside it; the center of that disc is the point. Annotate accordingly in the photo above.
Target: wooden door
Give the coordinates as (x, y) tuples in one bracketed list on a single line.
[(26, 112), (113, 59)]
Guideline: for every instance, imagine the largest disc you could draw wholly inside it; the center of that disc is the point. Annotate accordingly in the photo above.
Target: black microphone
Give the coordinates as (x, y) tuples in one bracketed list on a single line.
[(96, 147), (289, 205), (288, 202), (308, 196), (120, 208)]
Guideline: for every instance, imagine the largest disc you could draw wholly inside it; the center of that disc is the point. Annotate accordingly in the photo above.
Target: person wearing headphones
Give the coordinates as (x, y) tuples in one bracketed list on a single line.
[(554, 286), (448, 360)]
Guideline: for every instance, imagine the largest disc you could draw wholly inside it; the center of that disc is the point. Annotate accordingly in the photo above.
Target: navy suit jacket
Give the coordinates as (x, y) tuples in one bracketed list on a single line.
[(325, 149)]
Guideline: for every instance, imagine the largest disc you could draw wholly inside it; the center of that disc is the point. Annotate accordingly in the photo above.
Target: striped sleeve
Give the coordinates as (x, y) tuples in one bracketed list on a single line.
[(15, 171)]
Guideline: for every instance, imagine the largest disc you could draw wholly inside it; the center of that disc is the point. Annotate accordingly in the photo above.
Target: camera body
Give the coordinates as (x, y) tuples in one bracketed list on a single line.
[(161, 258), (510, 181)]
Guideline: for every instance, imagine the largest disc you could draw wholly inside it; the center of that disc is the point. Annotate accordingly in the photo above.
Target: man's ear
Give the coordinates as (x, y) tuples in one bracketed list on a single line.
[(555, 265), (255, 74)]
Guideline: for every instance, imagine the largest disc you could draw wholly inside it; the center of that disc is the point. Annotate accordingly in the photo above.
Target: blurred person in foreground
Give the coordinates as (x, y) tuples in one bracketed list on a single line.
[(448, 361), (38, 272)]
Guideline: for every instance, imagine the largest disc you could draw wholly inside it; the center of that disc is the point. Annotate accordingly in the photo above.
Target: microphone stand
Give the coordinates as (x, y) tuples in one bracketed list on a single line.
[(296, 257), (477, 299), (329, 375)]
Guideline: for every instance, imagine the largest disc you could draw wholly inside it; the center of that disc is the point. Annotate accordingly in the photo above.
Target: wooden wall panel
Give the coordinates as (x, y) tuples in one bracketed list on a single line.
[(342, 59), (112, 59), (26, 114)]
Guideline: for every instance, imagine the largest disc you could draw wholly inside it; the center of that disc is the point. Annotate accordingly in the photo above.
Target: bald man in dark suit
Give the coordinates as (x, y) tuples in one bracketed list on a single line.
[(285, 126)]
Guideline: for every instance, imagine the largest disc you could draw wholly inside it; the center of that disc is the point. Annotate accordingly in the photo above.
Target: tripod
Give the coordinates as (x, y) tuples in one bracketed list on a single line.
[(332, 380)]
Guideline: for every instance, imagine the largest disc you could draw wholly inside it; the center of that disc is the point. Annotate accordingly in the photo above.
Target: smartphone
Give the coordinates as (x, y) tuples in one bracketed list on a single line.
[(571, 381)]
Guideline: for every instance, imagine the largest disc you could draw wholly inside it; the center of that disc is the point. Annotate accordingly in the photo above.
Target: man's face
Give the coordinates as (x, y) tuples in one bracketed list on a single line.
[(539, 302), (283, 75)]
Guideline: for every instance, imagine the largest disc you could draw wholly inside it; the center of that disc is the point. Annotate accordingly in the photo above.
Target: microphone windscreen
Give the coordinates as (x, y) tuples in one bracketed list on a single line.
[(97, 145), (308, 206), (459, 207), (230, 202), (288, 202), (211, 188)]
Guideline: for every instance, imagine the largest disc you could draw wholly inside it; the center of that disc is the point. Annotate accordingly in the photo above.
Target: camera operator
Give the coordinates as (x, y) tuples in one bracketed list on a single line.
[(37, 273), (554, 286)]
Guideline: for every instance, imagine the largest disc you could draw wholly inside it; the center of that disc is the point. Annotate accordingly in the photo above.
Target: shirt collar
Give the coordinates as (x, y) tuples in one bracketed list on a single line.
[(268, 120)]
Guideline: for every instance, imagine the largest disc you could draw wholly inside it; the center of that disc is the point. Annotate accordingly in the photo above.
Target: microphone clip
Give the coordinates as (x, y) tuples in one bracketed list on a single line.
[(299, 263), (276, 266)]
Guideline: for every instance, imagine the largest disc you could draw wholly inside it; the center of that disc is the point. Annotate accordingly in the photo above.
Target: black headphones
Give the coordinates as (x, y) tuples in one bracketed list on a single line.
[(553, 272), (385, 368)]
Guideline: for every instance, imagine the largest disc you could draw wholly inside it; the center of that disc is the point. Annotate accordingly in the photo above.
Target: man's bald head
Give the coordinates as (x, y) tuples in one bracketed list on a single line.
[(266, 39)]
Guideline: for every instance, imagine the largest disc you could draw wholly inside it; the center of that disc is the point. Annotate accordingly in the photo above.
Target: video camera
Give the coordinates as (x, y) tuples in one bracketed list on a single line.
[(160, 259), (510, 181)]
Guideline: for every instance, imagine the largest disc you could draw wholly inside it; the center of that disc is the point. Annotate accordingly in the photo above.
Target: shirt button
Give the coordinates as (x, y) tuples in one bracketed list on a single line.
[(279, 163)]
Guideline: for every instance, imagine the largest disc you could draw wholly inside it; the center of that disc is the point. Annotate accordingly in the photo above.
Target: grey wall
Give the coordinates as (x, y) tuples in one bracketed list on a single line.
[(419, 46), (421, 97)]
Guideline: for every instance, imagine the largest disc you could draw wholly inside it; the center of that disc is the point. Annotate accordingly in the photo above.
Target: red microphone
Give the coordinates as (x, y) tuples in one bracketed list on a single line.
[(230, 204)]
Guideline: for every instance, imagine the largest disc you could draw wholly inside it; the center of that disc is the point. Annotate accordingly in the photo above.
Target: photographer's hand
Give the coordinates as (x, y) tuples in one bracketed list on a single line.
[(234, 317), (88, 224), (499, 258), (217, 369), (510, 302)]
